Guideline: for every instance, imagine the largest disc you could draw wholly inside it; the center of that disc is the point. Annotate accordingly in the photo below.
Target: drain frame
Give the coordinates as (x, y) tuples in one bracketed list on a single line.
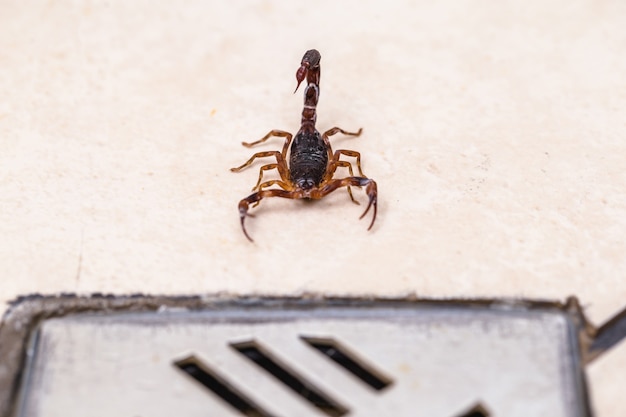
[(21, 321)]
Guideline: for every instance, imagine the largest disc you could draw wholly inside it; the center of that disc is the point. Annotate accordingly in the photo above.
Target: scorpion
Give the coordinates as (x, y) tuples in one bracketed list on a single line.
[(312, 163)]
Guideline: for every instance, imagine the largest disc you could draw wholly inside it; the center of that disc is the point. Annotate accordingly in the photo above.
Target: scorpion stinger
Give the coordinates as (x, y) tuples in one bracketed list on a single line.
[(312, 163), (310, 60), (300, 74)]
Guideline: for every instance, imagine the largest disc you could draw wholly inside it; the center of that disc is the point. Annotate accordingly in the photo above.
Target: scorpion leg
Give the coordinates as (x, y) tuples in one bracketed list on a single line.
[(354, 154), (335, 157), (244, 204), (335, 130), (278, 133), (330, 132), (263, 168), (335, 162), (280, 183), (283, 170), (331, 171), (275, 132), (252, 158), (280, 165), (370, 189), (266, 184)]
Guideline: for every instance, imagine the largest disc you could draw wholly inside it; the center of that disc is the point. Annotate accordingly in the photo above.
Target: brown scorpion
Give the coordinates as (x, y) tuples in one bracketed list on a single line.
[(312, 163)]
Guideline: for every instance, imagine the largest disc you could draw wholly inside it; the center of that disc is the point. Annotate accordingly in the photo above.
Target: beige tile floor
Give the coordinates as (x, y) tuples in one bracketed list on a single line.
[(495, 132)]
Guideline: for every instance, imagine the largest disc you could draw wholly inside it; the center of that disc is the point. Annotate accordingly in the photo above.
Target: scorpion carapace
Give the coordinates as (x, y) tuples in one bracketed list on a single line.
[(312, 162)]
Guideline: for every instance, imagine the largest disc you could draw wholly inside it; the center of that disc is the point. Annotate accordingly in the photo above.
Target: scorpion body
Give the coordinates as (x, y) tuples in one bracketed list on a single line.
[(312, 163), (309, 155), (308, 160)]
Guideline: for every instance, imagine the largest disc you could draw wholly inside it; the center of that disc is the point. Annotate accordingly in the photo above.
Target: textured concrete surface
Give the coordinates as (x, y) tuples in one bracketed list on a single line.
[(494, 130)]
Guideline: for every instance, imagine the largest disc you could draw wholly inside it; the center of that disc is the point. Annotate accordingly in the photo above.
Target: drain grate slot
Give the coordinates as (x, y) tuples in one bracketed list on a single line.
[(349, 361), (306, 389), (193, 367)]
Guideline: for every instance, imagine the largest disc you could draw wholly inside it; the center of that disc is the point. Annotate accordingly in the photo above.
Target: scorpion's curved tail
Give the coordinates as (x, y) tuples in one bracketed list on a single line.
[(310, 68)]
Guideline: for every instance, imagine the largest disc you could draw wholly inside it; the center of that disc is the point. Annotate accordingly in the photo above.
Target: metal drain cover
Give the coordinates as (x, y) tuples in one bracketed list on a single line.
[(398, 359)]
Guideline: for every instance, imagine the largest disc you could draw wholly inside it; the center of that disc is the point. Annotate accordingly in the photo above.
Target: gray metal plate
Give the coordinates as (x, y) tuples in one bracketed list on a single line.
[(437, 361)]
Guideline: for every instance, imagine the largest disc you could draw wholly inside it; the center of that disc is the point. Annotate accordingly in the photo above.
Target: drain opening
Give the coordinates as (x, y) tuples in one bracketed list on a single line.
[(477, 410), (349, 361), (193, 367), (261, 356)]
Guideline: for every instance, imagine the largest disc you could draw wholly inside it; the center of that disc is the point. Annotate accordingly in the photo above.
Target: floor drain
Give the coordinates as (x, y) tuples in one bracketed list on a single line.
[(282, 359)]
